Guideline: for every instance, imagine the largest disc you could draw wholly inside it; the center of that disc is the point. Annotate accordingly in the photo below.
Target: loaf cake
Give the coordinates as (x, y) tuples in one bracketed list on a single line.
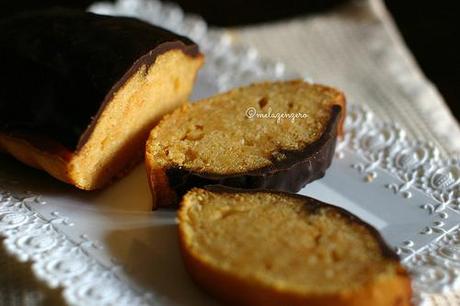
[(241, 139), (277, 249), (80, 92)]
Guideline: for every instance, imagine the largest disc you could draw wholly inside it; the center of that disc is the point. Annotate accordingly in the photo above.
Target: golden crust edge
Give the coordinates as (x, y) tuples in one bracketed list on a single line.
[(56, 164)]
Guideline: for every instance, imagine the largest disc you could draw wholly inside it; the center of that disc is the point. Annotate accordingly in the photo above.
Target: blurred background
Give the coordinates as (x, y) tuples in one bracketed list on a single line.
[(430, 29)]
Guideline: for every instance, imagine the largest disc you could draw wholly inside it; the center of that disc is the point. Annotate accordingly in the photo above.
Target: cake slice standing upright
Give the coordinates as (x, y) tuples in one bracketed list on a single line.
[(274, 135)]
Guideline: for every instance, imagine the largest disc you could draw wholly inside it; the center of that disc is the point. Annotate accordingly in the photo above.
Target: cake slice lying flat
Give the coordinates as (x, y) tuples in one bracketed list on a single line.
[(278, 249), (80, 92), (278, 135)]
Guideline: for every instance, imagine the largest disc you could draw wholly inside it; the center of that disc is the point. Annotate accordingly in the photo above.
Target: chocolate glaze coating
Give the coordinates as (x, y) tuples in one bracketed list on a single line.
[(289, 174), (60, 67), (314, 205)]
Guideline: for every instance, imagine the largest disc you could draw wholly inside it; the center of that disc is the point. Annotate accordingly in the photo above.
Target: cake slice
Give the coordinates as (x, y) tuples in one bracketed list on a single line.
[(80, 92), (276, 135), (276, 249)]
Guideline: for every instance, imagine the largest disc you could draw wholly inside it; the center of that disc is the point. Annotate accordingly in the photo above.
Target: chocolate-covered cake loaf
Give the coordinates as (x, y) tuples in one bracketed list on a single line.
[(80, 92), (241, 139), (265, 248)]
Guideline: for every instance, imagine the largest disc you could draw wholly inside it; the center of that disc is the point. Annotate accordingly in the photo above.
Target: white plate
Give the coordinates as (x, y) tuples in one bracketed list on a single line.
[(107, 248)]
